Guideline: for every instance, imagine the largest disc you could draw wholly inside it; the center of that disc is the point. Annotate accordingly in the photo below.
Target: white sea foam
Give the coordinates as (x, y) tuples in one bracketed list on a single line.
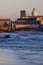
[(8, 57)]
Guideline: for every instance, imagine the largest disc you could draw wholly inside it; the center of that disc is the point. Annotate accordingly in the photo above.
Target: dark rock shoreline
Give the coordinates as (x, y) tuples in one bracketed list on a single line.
[(6, 36)]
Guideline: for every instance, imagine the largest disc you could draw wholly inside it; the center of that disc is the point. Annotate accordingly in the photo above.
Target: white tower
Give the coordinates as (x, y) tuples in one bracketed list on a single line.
[(34, 12)]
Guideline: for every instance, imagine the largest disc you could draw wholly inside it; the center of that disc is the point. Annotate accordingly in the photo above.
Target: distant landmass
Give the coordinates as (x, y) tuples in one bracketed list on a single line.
[(24, 23)]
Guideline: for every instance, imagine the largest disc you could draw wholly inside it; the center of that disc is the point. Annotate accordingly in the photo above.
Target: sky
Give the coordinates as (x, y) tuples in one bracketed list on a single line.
[(11, 8)]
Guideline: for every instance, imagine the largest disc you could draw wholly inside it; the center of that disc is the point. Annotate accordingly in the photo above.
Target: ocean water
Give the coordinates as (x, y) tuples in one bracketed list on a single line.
[(23, 48)]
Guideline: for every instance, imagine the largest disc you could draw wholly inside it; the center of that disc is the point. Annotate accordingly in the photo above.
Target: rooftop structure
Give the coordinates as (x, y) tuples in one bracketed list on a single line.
[(22, 14), (34, 12)]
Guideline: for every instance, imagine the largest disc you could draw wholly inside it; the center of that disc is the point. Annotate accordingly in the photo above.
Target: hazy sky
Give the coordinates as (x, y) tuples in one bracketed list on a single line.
[(11, 8)]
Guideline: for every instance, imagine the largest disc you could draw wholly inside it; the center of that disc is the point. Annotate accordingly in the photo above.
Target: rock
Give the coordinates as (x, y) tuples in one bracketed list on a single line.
[(7, 36)]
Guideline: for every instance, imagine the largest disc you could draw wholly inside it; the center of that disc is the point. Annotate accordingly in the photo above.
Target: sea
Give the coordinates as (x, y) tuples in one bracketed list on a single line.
[(22, 48)]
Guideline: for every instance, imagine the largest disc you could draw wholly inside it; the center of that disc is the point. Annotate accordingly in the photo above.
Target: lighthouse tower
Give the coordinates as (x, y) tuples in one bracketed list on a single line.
[(34, 12)]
